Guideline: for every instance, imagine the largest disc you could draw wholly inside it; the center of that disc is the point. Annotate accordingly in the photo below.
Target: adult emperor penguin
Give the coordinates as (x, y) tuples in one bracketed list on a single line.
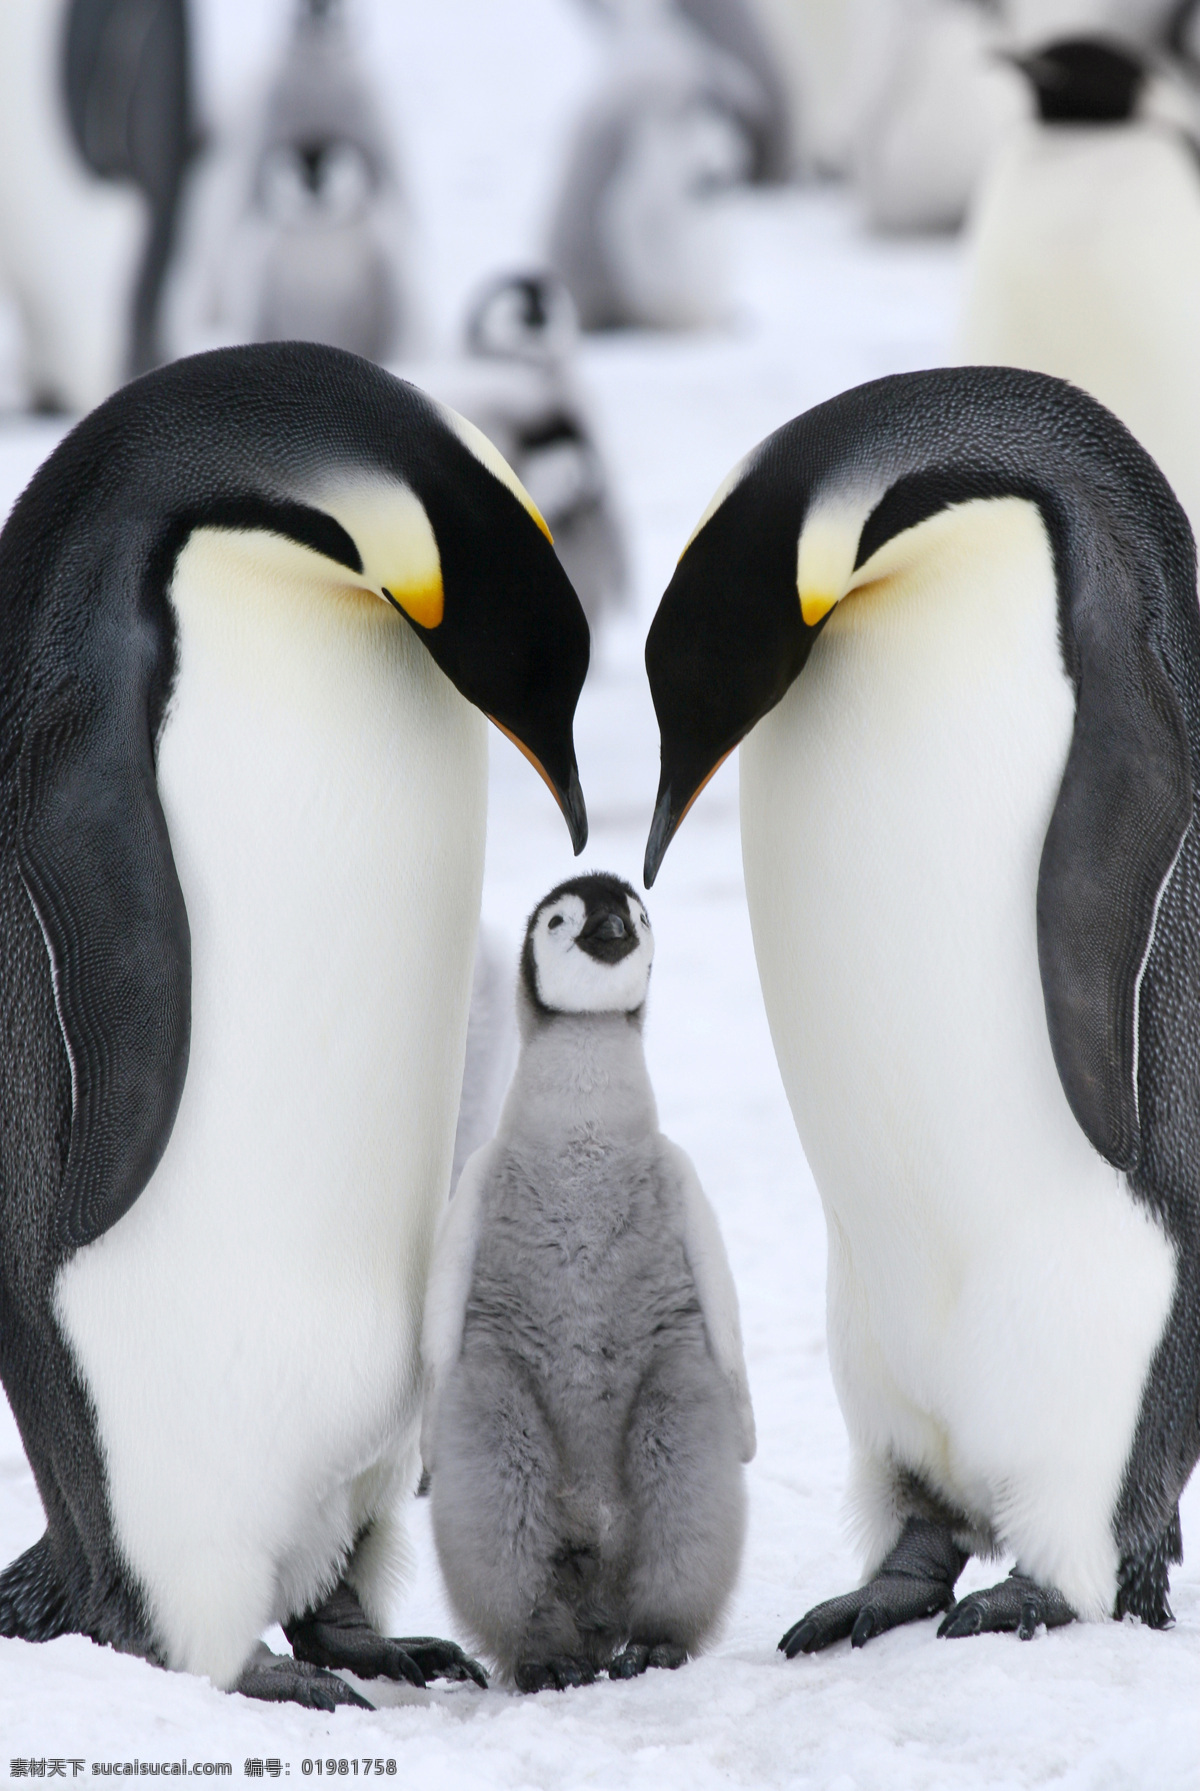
[(587, 1409), (953, 616), (1085, 249), (96, 132), (256, 607)]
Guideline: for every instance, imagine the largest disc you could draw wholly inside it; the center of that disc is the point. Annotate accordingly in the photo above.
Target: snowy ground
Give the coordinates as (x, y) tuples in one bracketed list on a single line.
[(819, 308)]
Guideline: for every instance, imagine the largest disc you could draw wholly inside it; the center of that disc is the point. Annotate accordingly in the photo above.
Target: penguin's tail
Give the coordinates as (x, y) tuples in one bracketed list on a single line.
[(33, 1601)]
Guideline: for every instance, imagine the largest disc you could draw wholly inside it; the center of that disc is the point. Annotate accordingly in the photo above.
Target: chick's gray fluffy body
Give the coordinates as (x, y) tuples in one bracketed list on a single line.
[(586, 1443)]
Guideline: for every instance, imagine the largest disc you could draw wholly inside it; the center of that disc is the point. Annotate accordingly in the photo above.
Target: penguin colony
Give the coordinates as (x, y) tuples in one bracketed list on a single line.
[(257, 606), (953, 617), (586, 1406)]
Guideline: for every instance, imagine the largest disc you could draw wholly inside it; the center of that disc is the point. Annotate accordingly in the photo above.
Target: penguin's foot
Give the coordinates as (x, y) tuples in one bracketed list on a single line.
[(1016, 1603), (553, 1675), (337, 1634), (634, 1660), (276, 1679), (916, 1580)]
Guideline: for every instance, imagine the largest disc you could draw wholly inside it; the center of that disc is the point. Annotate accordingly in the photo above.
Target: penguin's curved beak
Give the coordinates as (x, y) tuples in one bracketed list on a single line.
[(512, 636), (727, 640)]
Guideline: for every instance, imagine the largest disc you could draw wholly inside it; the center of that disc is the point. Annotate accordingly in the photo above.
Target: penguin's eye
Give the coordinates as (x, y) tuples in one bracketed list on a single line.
[(555, 921)]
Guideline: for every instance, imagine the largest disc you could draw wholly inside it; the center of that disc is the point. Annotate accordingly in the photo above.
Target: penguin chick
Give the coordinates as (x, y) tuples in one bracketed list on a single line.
[(320, 251), (586, 1405)]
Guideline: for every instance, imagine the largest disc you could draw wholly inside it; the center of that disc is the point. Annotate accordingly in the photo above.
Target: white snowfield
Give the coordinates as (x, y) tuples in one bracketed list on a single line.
[(1107, 1705)]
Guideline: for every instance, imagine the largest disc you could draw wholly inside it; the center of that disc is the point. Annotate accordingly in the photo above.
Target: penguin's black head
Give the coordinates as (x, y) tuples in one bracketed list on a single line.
[(1084, 80), (404, 501), (588, 949), (529, 317), (832, 503)]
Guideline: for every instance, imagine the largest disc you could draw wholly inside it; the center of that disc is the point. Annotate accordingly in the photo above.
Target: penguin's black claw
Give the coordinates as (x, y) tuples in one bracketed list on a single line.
[(632, 1661), (553, 1675), (442, 1660), (276, 1679), (916, 1580), (337, 1634), (1016, 1603)]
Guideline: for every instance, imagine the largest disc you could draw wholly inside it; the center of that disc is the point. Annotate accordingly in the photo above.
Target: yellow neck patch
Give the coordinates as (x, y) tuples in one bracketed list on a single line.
[(390, 527), (825, 557)]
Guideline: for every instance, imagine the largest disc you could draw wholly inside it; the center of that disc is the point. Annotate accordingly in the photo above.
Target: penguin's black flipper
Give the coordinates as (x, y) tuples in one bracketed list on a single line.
[(915, 1580), (1016, 1603), (1123, 808), (96, 861)]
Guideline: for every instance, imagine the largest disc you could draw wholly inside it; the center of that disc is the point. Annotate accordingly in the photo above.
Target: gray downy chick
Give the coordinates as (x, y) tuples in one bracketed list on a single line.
[(587, 1410), (325, 230)]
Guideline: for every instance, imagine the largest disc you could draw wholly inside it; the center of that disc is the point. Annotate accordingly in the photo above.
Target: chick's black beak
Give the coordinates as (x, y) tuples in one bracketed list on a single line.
[(607, 934)]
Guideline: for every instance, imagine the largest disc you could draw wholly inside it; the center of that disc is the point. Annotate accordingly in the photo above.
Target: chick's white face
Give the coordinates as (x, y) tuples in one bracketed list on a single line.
[(592, 962)]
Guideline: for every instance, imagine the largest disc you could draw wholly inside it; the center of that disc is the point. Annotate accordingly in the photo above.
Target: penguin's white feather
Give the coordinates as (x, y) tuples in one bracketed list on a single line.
[(311, 754), (894, 807)]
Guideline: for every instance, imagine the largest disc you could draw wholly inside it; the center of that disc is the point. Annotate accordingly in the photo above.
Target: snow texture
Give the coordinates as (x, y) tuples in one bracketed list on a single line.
[(482, 92)]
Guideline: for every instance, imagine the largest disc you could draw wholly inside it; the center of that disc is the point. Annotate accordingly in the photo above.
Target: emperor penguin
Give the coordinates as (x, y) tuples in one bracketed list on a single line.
[(952, 617), (586, 1409), (96, 135), (318, 251), (1085, 250), (257, 607)]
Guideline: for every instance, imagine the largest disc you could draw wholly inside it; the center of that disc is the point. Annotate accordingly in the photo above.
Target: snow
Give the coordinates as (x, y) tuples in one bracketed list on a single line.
[(820, 307)]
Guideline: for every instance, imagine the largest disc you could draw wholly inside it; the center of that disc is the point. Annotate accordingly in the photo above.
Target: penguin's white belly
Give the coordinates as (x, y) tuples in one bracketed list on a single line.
[(995, 1295), (249, 1330)]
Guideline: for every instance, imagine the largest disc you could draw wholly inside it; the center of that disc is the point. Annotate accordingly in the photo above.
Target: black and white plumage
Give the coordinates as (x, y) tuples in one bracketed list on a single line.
[(253, 608), (952, 616), (96, 133), (586, 1401)]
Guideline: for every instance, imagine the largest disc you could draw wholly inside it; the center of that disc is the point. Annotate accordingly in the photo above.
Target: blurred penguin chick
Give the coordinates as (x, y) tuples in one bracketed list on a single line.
[(318, 252), (587, 1409)]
